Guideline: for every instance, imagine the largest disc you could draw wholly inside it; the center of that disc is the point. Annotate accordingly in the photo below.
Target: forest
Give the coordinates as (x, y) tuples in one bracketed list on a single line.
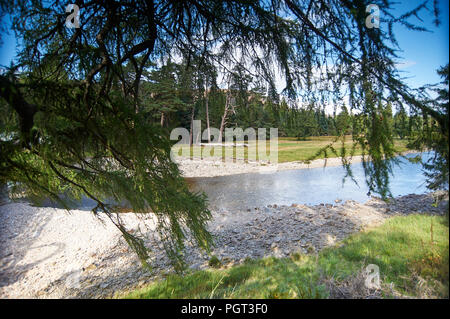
[(174, 95)]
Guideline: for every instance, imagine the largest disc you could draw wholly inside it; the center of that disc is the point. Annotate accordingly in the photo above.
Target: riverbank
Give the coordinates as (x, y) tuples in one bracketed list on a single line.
[(289, 149), (48, 253), (210, 167), (410, 253)]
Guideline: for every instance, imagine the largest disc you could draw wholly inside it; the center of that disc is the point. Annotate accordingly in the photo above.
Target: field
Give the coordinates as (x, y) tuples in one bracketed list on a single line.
[(290, 149)]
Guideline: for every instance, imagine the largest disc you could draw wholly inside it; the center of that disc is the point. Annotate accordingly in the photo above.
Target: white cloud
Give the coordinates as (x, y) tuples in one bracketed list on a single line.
[(405, 64)]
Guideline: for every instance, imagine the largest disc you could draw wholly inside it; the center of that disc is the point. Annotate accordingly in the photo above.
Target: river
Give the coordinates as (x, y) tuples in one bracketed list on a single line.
[(304, 186)]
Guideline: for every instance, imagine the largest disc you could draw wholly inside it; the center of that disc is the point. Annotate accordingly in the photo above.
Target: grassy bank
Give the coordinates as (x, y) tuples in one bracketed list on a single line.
[(411, 252), (289, 149)]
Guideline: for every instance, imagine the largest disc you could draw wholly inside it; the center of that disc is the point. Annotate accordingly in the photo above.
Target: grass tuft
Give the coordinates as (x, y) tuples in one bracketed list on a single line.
[(214, 262)]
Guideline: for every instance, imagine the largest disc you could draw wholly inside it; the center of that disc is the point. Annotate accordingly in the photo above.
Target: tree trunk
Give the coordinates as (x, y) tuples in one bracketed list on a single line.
[(191, 139), (225, 115), (222, 126), (207, 114), (162, 119)]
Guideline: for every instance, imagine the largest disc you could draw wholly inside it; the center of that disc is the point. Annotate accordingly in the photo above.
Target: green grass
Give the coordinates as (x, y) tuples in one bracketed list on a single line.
[(402, 248), (289, 149)]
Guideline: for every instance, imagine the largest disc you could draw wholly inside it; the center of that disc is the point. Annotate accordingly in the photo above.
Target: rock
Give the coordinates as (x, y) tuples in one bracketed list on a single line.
[(90, 267), (196, 266), (104, 285)]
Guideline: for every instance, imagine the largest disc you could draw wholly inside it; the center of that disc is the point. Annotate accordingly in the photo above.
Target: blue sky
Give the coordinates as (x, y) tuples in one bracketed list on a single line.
[(422, 52), (8, 45)]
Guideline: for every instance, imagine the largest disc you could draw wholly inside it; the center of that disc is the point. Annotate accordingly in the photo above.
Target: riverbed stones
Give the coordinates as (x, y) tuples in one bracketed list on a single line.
[(37, 245)]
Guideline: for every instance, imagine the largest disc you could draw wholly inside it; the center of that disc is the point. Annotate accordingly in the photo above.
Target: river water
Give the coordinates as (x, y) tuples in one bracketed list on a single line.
[(304, 186)]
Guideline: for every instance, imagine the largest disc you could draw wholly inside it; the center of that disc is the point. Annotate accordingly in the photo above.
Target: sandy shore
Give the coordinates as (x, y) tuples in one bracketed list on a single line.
[(49, 253), (215, 167)]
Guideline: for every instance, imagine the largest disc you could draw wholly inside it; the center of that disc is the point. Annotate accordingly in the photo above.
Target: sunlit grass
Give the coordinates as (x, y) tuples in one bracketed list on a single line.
[(289, 149)]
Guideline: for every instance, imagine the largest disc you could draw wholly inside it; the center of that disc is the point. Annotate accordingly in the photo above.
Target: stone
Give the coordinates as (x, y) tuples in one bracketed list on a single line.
[(195, 266), (90, 267), (104, 285)]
